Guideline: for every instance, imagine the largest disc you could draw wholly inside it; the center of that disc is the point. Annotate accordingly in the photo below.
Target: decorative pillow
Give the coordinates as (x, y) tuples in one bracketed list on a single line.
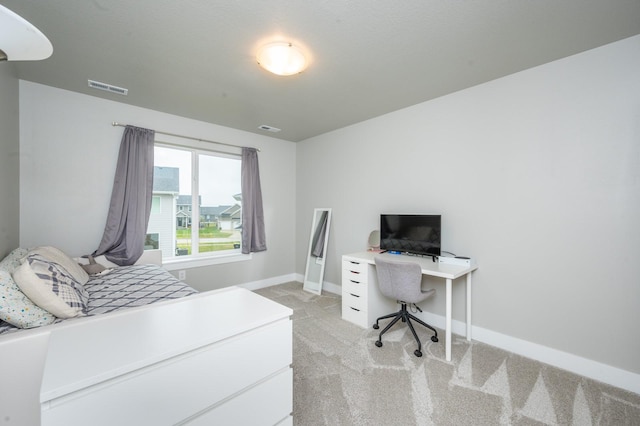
[(58, 256), (51, 287), (17, 309), (12, 260)]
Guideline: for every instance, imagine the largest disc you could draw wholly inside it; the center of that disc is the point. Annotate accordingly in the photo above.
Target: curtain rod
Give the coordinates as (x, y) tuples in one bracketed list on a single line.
[(115, 123)]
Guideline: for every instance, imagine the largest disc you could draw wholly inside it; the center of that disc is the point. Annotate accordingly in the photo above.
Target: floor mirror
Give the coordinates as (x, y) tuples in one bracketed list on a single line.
[(316, 255)]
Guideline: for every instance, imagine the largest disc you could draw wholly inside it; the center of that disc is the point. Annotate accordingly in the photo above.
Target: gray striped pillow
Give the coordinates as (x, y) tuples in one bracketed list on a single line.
[(51, 287)]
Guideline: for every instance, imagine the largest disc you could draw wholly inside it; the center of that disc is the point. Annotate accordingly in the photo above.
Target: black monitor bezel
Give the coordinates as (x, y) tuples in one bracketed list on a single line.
[(427, 219)]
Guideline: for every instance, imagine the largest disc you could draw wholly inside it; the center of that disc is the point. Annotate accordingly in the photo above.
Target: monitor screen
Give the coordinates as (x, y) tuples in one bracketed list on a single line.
[(410, 233)]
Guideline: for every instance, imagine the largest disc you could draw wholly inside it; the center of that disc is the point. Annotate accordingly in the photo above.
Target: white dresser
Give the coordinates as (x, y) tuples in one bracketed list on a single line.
[(222, 357), (362, 302)]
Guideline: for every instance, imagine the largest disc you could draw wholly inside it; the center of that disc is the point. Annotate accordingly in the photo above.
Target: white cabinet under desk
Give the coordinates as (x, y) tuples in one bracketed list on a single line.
[(363, 303), (199, 360)]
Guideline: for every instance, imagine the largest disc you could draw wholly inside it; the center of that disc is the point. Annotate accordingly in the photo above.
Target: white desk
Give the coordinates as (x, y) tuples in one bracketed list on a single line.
[(362, 302)]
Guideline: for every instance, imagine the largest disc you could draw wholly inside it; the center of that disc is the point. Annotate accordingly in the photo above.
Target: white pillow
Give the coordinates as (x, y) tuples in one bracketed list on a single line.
[(17, 309), (12, 260), (58, 256), (51, 287)]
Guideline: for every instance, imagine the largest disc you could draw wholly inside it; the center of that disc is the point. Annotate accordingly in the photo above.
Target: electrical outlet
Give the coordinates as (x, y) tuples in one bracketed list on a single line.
[(182, 275)]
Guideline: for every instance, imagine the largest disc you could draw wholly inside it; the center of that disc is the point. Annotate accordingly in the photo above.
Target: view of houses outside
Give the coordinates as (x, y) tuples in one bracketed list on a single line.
[(170, 222)]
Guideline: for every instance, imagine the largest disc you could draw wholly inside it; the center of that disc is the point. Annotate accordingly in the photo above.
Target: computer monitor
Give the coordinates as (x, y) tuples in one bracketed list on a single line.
[(411, 233)]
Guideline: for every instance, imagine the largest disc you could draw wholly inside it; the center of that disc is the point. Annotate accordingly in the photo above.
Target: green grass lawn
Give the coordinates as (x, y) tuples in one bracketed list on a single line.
[(209, 232), (206, 247)]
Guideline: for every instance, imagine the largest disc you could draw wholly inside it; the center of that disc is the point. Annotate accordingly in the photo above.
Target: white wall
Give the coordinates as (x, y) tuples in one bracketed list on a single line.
[(536, 175), (68, 154), (9, 165)]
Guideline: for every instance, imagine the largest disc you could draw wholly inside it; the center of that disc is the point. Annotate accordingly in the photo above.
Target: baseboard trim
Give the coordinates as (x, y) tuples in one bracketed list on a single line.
[(576, 364), (610, 375), (332, 288), (326, 286), (269, 282)]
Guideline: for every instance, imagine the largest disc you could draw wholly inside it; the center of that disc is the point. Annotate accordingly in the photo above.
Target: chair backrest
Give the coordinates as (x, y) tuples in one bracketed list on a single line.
[(400, 280)]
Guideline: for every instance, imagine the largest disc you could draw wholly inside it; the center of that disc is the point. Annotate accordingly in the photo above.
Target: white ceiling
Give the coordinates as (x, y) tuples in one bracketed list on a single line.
[(197, 58)]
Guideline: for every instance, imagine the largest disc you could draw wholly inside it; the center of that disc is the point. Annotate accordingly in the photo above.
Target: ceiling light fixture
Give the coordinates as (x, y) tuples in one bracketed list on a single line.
[(20, 40), (281, 58)]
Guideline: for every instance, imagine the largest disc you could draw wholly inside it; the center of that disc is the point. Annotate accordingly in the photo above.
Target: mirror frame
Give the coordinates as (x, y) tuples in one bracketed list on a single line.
[(309, 283)]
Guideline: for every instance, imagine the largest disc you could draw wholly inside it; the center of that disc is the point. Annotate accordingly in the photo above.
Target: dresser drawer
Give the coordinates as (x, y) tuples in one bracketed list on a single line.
[(286, 422), (271, 401), (355, 277), (354, 301), (354, 287), (354, 267), (352, 314), (199, 379)]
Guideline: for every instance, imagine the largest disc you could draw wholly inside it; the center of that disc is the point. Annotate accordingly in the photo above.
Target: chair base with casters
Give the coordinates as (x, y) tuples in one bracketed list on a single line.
[(404, 315)]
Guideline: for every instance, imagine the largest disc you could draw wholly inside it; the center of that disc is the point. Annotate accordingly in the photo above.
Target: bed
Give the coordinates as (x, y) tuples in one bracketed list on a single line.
[(126, 287), (142, 331)]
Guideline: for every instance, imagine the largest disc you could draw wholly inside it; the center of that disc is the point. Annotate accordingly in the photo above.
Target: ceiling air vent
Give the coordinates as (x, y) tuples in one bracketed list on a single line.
[(268, 128), (108, 87)]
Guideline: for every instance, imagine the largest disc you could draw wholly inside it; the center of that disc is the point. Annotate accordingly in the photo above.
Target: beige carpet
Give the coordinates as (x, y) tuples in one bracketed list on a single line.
[(342, 378)]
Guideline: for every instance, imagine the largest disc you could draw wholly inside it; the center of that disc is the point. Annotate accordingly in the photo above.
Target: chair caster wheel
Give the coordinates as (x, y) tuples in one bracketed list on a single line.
[(378, 343), (417, 353), (434, 338), (376, 326)]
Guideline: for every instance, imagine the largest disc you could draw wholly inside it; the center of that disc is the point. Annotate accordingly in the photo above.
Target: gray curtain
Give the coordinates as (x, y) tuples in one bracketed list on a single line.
[(253, 237), (123, 239)]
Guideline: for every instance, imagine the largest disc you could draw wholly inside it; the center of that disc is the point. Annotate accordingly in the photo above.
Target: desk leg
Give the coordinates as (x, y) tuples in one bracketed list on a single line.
[(469, 306), (448, 323)]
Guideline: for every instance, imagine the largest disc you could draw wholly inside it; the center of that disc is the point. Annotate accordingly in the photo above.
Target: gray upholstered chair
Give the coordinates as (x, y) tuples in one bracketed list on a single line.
[(402, 281)]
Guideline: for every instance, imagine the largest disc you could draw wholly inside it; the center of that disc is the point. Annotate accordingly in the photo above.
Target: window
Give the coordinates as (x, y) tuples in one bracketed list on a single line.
[(151, 242), (155, 205), (198, 209)]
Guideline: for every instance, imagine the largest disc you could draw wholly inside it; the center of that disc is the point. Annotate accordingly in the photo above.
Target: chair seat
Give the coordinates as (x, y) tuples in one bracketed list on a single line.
[(424, 296)]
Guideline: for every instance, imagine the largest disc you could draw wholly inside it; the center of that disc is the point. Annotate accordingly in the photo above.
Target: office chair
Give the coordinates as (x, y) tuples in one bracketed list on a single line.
[(402, 281)]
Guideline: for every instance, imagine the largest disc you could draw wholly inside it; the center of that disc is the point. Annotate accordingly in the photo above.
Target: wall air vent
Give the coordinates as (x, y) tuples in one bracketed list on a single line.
[(108, 87), (269, 128)]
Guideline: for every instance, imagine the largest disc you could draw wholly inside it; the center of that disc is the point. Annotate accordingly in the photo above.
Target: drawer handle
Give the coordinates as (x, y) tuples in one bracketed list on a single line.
[(355, 272), (354, 263), (355, 282), (354, 295), (354, 309)]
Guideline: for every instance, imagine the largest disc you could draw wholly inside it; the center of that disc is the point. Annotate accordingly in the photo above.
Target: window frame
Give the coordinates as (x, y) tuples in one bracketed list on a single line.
[(207, 258)]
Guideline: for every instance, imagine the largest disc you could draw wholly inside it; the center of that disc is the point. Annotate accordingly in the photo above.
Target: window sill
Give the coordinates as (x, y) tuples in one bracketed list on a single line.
[(196, 262)]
